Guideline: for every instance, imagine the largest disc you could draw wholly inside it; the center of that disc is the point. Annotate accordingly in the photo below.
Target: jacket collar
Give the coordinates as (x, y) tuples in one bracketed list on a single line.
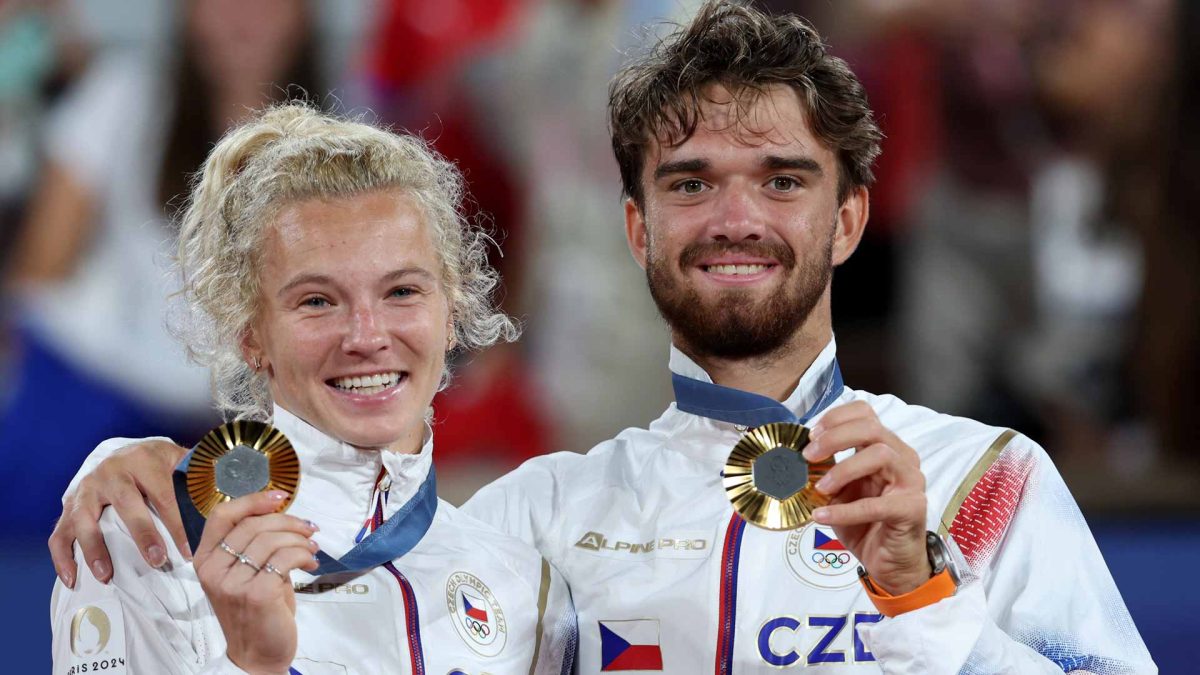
[(711, 440), (806, 393), (338, 480)]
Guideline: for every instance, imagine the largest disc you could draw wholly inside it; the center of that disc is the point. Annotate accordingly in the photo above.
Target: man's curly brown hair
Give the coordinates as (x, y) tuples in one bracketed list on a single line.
[(659, 95)]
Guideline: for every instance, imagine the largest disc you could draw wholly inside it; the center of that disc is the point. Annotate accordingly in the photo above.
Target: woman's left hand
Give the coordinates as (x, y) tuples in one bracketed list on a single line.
[(243, 562)]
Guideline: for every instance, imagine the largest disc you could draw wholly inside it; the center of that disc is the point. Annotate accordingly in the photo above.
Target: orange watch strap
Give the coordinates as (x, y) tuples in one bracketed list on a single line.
[(939, 587)]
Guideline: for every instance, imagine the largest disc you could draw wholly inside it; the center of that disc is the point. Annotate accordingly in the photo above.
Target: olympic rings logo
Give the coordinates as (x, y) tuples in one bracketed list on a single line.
[(830, 559), (478, 628)]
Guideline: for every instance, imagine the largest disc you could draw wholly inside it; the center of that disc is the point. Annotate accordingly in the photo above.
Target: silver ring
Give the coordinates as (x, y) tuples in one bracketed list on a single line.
[(275, 570), (247, 560), (228, 549)]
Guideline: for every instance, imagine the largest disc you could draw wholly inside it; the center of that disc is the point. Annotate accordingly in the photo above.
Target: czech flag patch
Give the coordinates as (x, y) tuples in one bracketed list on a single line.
[(823, 542), (630, 645), (476, 612)]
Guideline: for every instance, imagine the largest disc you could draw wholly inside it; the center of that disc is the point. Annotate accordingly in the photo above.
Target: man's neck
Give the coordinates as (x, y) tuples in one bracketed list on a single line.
[(774, 374)]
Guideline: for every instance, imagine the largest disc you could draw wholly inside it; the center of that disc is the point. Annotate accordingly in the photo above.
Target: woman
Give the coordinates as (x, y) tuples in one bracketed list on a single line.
[(329, 272)]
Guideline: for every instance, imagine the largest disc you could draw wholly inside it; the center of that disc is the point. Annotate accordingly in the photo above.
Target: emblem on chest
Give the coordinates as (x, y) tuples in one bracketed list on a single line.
[(817, 558), (476, 614)]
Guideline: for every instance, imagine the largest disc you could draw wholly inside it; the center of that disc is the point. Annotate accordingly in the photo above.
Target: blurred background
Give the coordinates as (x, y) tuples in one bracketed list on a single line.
[(1033, 256)]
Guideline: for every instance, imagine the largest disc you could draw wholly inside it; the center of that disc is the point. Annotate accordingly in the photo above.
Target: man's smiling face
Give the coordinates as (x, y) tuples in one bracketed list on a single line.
[(739, 228)]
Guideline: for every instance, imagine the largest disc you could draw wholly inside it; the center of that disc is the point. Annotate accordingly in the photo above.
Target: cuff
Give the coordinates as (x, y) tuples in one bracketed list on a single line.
[(938, 588), (932, 640)]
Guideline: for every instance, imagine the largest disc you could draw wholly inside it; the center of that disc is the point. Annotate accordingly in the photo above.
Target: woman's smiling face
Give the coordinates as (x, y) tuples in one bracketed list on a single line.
[(353, 322)]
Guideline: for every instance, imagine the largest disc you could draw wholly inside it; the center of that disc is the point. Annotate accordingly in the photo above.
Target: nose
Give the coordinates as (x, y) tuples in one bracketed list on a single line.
[(738, 215), (365, 336)]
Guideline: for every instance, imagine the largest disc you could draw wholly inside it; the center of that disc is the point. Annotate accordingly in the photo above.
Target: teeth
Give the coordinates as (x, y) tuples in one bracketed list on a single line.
[(368, 384), (736, 269)]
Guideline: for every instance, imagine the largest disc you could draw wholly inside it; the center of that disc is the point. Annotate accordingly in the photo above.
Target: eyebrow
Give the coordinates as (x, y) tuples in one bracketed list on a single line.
[(770, 162), (795, 163), (680, 166), (324, 279)]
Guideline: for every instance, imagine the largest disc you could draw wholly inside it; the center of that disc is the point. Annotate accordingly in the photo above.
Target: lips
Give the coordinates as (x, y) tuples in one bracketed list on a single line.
[(736, 269), (368, 384)]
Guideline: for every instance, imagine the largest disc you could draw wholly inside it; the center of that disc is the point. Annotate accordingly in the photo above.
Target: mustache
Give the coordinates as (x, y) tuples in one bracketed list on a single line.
[(693, 253)]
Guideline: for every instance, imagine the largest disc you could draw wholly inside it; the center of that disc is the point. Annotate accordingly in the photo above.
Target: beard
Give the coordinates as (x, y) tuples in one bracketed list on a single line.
[(734, 325)]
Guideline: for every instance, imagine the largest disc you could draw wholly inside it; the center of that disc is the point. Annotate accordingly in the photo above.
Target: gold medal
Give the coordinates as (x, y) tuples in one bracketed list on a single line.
[(241, 458), (769, 482)]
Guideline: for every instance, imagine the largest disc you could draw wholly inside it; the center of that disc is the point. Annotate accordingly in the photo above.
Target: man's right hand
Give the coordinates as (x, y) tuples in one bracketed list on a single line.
[(131, 480)]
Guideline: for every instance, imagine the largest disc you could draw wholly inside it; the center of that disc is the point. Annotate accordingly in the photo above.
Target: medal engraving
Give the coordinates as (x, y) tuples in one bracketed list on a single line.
[(242, 471), (769, 482), (780, 473)]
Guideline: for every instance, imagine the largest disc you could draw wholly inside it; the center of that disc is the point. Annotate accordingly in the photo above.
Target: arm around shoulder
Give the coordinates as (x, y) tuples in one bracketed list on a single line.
[(127, 473)]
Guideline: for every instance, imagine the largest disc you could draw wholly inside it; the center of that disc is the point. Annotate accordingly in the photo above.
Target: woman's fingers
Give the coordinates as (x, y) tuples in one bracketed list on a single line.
[(242, 537), (293, 558), (265, 544), (235, 557), (264, 547), (225, 517)]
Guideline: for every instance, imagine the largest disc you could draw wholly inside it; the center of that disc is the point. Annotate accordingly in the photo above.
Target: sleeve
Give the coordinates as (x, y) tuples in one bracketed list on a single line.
[(103, 452), (1039, 597), (523, 502), (127, 626), (558, 632)]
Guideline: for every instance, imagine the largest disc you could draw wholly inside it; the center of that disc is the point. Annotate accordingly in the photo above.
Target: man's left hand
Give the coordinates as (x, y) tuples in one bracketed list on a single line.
[(877, 505)]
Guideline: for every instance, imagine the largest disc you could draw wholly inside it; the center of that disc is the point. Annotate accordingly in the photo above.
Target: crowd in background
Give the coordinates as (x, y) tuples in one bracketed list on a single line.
[(1031, 258)]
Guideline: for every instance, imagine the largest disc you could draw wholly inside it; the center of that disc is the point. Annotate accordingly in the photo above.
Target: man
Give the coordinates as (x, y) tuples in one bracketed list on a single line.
[(745, 152)]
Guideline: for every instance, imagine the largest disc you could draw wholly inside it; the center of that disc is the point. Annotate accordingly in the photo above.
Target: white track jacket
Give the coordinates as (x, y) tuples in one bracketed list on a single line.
[(465, 600), (664, 578)]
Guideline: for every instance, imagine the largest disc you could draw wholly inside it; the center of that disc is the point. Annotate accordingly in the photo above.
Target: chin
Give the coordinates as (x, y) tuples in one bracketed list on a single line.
[(369, 442), (361, 431)]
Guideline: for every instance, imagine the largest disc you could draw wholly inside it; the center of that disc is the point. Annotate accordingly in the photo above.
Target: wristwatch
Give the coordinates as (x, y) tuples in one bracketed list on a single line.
[(944, 555), (948, 568)]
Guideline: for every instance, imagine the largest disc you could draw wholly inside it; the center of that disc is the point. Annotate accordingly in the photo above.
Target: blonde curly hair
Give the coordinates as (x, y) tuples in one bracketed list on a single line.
[(293, 152)]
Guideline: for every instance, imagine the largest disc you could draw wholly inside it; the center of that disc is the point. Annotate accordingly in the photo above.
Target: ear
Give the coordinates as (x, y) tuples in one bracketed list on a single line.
[(635, 232), (851, 223), (251, 347)]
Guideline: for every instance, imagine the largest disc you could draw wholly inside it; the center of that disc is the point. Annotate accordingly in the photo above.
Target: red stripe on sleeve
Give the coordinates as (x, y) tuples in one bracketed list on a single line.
[(985, 514)]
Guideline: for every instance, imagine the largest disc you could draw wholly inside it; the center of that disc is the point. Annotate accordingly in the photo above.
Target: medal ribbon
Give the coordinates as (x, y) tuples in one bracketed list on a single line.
[(735, 406), (392, 539)]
